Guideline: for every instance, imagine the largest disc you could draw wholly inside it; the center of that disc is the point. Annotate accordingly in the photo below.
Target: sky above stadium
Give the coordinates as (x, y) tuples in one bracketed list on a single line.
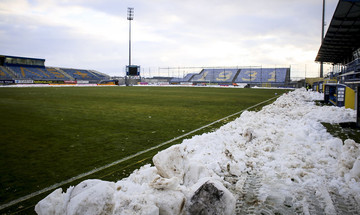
[(94, 34)]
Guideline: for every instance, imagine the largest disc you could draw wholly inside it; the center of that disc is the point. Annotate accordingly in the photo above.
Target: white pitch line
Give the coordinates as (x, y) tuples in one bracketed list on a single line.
[(24, 198)]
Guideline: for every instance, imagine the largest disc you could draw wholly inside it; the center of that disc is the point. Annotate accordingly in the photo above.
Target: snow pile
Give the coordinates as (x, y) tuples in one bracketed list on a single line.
[(283, 146)]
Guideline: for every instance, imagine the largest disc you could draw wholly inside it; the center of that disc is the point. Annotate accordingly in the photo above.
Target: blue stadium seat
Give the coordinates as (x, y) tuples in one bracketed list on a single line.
[(55, 74), (262, 75), (4, 75), (99, 75), (215, 75), (188, 77), (81, 74), (49, 73), (185, 79), (352, 71), (27, 72), (37, 73), (353, 66)]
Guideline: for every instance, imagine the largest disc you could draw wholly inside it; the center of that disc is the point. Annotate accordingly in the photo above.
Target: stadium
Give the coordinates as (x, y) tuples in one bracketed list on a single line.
[(21, 70), (211, 140)]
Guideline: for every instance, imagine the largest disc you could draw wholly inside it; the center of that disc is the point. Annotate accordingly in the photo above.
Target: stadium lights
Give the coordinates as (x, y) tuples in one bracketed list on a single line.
[(130, 13), (130, 16)]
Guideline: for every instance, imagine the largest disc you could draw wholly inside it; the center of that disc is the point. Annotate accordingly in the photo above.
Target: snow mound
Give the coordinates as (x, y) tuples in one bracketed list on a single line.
[(280, 159)]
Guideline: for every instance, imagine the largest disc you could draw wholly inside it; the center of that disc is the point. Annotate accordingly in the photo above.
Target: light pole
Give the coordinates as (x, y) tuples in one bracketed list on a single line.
[(322, 38), (130, 16)]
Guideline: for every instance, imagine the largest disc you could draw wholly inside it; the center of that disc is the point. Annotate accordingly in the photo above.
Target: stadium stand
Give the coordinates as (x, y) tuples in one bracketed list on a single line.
[(37, 73), (254, 76), (4, 75), (263, 75), (14, 68), (100, 75), (187, 78), (351, 74), (215, 76), (79, 74), (353, 66)]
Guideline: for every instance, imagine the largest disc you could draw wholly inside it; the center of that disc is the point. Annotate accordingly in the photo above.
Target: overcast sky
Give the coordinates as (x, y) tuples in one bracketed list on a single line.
[(94, 34)]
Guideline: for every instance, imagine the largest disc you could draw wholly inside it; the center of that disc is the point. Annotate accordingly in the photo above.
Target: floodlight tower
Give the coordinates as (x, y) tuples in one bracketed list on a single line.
[(322, 38), (130, 16)]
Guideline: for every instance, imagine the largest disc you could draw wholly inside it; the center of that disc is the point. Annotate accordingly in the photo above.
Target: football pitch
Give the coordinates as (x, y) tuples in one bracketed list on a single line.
[(49, 135)]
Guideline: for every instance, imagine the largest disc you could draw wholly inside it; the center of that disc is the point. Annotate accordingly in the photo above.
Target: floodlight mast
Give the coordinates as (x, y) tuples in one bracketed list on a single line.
[(130, 16), (322, 38)]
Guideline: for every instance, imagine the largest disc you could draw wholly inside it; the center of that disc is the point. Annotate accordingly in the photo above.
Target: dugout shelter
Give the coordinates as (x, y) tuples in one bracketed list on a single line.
[(339, 95)]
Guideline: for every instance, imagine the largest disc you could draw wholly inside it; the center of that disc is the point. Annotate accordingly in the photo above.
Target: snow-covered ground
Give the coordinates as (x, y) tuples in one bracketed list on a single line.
[(278, 160)]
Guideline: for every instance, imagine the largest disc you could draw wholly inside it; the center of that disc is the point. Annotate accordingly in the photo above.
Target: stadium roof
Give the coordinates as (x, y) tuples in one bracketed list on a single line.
[(343, 35), (30, 58)]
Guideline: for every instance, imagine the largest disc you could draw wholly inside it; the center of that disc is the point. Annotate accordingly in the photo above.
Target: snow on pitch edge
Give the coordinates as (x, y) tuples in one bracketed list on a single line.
[(280, 160)]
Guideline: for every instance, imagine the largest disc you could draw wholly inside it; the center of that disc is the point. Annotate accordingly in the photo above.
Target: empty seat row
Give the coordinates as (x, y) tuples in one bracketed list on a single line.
[(187, 78), (80, 74), (244, 75), (215, 75), (50, 73), (262, 75), (37, 73), (4, 75)]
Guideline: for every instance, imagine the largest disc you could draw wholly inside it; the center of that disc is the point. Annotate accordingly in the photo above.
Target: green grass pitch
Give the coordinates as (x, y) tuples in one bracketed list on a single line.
[(52, 134)]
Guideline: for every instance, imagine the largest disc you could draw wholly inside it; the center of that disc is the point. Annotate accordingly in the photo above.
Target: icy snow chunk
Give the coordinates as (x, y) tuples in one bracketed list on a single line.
[(236, 168), (350, 152), (55, 203), (170, 202), (196, 171), (88, 197), (355, 171), (334, 147), (92, 197), (142, 204), (248, 134), (171, 162), (143, 175), (164, 183), (212, 198)]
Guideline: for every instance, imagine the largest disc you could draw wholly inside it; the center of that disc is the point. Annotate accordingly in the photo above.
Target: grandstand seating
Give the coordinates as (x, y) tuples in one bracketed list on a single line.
[(352, 71), (4, 75), (176, 80), (215, 75), (80, 74), (58, 74), (37, 73), (262, 75), (353, 66), (99, 75), (184, 79), (20, 68), (50, 73), (188, 77)]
